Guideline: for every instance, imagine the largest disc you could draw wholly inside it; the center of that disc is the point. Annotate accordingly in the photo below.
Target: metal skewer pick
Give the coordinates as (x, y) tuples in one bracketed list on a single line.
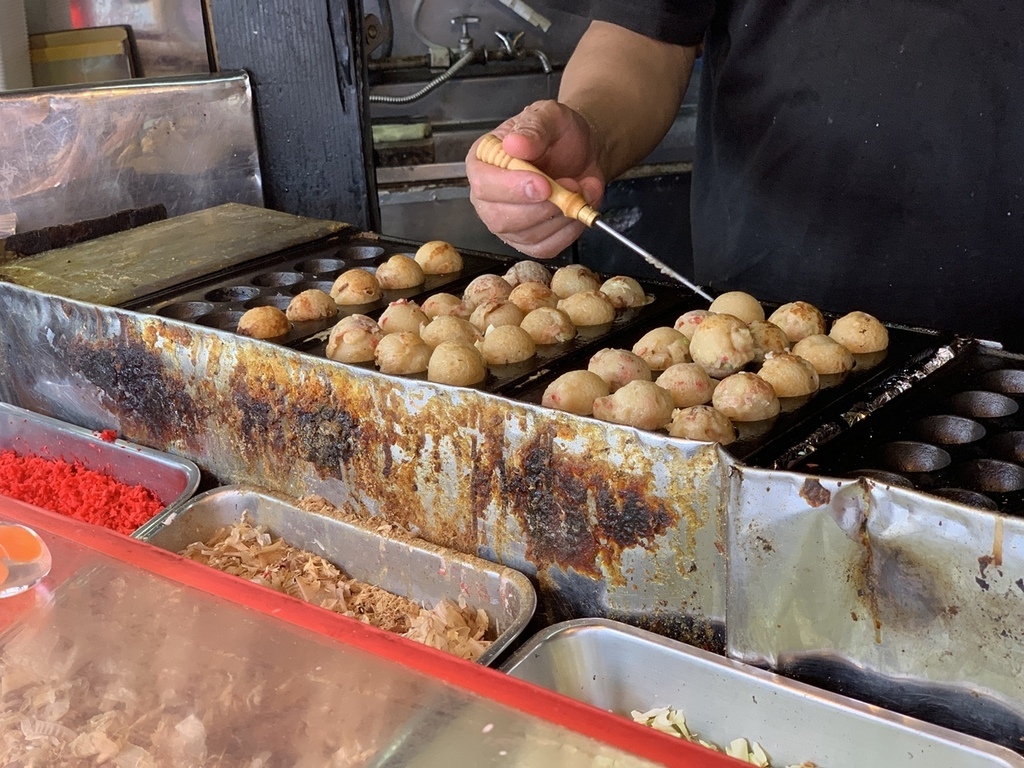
[(574, 206)]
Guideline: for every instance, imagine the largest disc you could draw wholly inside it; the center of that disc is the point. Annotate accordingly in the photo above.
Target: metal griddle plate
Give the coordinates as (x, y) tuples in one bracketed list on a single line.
[(219, 301), (959, 435), (118, 268)]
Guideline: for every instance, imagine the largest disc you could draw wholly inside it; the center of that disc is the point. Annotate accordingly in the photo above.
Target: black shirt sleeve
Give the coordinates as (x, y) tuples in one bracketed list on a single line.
[(681, 22)]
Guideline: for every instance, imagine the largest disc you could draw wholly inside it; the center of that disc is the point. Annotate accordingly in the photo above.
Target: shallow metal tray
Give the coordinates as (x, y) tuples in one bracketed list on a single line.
[(621, 668), (412, 568), (172, 479)]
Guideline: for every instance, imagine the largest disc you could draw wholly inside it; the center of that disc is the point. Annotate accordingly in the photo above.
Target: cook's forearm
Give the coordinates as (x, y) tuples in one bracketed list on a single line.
[(629, 88)]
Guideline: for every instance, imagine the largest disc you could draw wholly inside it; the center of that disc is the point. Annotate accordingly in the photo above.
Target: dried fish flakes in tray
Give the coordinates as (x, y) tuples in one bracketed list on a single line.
[(251, 553)]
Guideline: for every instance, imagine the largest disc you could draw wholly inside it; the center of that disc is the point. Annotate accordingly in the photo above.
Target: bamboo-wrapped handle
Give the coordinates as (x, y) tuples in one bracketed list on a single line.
[(572, 204)]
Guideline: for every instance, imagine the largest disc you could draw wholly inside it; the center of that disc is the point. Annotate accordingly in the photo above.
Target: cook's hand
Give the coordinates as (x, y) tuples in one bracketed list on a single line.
[(514, 204)]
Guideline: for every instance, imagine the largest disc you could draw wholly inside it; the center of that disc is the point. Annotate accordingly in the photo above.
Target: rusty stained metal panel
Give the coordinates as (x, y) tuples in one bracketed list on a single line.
[(614, 522), (887, 594), (609, 520)]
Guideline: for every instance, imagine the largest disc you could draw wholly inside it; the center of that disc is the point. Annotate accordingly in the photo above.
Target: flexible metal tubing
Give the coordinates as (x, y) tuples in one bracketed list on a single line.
[(439, 80)]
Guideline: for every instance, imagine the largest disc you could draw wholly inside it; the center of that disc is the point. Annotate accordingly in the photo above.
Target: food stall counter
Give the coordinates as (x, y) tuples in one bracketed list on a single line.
[(128, 655)]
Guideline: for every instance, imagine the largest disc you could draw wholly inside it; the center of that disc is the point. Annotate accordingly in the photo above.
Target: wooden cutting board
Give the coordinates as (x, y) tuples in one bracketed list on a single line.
[(117, 268)]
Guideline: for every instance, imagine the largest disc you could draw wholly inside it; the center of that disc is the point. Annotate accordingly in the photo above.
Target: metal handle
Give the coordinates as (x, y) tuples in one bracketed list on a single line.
[(510, 41), (571, 204)]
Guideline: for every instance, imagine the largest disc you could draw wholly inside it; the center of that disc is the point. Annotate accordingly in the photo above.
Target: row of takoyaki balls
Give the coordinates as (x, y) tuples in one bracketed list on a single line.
[(572, 297), (353, 287), (671, 375), (498, 320)]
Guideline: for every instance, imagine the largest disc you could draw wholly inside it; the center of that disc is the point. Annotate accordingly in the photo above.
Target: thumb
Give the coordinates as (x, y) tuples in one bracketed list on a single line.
[(592, 189), (532, 131)]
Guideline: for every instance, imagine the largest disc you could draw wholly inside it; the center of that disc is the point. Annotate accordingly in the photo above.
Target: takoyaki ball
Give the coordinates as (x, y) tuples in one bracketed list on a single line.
[(575, 392), (448, 328), (860, 333), (454, 362), (641, 404), (619, 367), (574, 278), (486, 288), (789, 375), (311, 304), (264, 323), (624, 292), (444, 304), (506, 344), (799, 320), (688, 383), (547, 325), (588, 308), (529, 296), (663, 347), (687, 322), (738, 304), (402, 353), (496, 313), (402, 316), (768, 338), (702, 422), (826, 354), (354, 339), (528, 272), (438, 258), (722, 344), (399, 272), (746, 397), (355, 286)]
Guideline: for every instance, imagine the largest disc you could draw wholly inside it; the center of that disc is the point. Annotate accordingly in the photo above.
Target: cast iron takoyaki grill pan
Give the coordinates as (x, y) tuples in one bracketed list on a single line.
[(959, 435), (760, 443), (219, 300)]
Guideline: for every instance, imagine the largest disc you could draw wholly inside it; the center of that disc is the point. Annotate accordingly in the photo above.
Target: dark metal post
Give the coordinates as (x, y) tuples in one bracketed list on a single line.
[(309, 86)]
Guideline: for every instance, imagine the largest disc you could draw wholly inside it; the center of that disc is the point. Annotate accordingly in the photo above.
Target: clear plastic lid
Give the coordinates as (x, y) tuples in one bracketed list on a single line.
[(128, 654)]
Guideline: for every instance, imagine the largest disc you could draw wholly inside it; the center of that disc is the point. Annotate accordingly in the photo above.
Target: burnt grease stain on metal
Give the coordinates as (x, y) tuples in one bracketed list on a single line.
[(487, 455), (983, 563), (700, 632), (143, 389), (899, 588), (329, 436), (578, 512), (814, 493)]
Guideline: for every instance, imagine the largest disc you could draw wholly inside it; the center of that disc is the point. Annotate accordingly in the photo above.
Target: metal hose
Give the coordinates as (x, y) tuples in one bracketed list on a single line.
[(442, 78)]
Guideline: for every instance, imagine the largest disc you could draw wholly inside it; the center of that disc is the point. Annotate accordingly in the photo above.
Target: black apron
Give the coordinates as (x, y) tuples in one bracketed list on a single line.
[(866, 154)]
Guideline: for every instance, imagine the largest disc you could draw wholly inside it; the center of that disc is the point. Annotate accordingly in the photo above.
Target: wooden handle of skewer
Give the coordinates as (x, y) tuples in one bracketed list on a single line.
[(572, 204)]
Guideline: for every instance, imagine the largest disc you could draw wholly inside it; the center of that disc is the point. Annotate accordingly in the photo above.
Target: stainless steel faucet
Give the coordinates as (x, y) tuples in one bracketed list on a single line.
[(511, 48), (465, 41), (510, 42)]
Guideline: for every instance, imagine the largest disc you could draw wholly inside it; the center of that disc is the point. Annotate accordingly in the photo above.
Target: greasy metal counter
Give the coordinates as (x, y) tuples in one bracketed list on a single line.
[(899, 596)]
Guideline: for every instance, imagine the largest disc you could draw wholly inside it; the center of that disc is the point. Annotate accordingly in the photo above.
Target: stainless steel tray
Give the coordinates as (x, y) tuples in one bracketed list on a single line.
[(620, 668), (172, 479), (415, 569)]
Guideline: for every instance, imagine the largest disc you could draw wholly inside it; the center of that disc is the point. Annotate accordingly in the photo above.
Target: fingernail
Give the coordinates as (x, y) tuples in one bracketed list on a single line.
[(531, 191)]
